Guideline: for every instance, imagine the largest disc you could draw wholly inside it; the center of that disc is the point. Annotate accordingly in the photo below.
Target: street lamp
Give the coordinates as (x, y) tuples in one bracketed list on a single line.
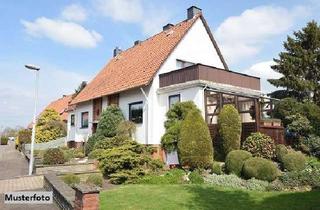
[(36, 69)]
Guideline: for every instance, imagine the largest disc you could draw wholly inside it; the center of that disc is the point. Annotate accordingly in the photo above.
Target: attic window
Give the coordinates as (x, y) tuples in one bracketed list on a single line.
[(183, 64)]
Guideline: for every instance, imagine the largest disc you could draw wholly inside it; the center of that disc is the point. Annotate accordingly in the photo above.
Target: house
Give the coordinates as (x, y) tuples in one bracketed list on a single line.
[(183, 62), (61, 106)]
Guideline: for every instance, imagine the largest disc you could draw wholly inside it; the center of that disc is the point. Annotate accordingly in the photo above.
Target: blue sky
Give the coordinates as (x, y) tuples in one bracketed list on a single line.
[(73, 40)]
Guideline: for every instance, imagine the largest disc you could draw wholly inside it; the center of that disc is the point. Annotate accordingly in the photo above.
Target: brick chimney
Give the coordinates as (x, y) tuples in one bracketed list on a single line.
[(168, 26), (192, 11)]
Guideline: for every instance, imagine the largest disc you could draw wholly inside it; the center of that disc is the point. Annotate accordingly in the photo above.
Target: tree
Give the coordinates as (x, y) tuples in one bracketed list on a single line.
[(110, 119), (195, 146), (300, 65), (49, 126), (176, 114), (229, 123), (82, 85)]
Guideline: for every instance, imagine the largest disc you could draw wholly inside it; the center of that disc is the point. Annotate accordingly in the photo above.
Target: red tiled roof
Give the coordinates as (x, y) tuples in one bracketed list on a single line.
[(136, 66), (61, 106)]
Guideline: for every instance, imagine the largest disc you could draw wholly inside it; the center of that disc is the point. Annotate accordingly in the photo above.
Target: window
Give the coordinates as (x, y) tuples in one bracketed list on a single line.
[(72, 120), (183, 64), (136, 112), (173, 99), (84, 119)]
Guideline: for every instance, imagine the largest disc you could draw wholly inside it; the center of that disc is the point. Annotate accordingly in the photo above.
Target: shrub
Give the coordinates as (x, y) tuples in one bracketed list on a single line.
[(78, 153), (174, 176), (72, 153), (294, 161), (176, 114), (229, 123), (281, 151), (300, 125), (216, 168), (312, 112), (260, 168), (286, 107), (109, 143), (24, 136), (126, 128), (307, 177), (53, 156), (95, 154), (95, 179), (4, 140), (71, 179), (313, 144), (235, 160), (88, 147), (195, 147), (260, 145), (109, 121), (50, 126), (235, 182), (195, 177)]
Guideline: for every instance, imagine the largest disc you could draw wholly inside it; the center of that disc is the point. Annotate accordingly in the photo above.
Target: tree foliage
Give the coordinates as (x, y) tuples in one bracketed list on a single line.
[(229, 123), (300, 64), (50, 126), (110, 118), (195, 146), (176, 114)]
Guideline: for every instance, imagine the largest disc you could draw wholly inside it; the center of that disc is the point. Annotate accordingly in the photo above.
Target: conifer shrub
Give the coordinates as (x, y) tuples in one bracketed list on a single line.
[(260, 145), (294, 161), (95, 154), (53, 156), (109, 121), (229, 124), (88, 147), (235, 160), (260, 168), (281, 151), (195, 147)]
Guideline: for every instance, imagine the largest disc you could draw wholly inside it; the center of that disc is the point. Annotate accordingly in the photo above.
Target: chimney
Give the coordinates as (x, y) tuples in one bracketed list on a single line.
[(137, 42), (168, 26), (116, 51), (192, 11)]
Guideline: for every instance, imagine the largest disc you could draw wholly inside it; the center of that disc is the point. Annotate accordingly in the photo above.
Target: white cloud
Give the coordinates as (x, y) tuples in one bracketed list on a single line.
[(264, 71), (74, 12), (242, 36), (121, 10), (149, 17), (68, 33)]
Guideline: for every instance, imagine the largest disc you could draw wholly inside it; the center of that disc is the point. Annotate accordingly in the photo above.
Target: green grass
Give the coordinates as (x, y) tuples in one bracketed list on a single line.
[(204, 197)]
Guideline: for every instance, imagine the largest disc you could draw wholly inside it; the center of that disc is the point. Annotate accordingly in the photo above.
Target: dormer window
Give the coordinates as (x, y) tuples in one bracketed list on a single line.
[(182, 64)]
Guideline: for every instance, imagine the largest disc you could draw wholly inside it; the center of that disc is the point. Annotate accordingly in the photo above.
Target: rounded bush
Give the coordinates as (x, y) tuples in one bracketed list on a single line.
[(195, 147), (95, 153), (216, 168), (53, 156), (260, 168), (260, 145), (229, 123), (4, 140), (109, 121), (235, 160), (95, 179), (281, 151), (71, 179), (294, 161)]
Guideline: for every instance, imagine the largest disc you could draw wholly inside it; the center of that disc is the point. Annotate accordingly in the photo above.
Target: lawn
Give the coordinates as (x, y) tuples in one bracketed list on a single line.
[(204, 197)]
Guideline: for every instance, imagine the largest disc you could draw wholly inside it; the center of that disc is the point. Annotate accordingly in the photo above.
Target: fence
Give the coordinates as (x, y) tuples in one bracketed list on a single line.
[(46, 145)]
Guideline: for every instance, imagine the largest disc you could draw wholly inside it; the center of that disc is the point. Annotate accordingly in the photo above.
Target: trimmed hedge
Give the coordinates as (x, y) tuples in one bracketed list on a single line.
[(294, 161), (195, 147), (229, 123), (260, 168), (235, 160), (53, 156), (281, 151), (260, 145)]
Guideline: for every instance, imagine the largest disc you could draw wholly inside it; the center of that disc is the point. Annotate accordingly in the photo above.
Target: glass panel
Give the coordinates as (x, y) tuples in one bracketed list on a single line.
[(228, 99), (213, 99), (214, 109), (72, 120), (245, 104), (84, 119), (136, 112), (173, 99), (212, 119), (246, 117)]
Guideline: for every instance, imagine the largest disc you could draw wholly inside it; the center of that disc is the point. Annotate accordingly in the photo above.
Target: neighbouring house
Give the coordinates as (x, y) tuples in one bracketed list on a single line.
[(183, 62), (61, 106)]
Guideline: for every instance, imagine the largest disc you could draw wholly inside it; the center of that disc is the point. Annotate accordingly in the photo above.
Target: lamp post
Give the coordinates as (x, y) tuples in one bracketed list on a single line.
[(36, 69)]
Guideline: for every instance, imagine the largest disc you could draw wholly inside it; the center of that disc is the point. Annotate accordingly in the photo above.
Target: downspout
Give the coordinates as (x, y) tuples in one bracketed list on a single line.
[(146, 121)]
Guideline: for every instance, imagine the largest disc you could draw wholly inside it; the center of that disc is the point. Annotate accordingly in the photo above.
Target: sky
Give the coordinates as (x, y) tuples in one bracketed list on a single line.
[(72, 40)]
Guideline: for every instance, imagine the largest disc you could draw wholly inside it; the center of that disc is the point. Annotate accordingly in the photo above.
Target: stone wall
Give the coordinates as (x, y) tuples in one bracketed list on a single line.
[(67, 168)]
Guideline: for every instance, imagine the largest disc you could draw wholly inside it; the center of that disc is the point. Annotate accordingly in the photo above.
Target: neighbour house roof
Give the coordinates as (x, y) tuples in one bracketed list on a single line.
[(136, 66)]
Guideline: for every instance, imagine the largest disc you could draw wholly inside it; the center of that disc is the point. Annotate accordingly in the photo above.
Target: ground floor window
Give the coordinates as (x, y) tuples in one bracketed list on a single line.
[(136, 112), (173, 99), (84, 119)]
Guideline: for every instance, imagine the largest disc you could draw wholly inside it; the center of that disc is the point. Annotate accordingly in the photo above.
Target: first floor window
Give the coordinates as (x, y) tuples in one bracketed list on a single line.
[(136, 112), (84, 119), (72, 120), (173, 99)]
